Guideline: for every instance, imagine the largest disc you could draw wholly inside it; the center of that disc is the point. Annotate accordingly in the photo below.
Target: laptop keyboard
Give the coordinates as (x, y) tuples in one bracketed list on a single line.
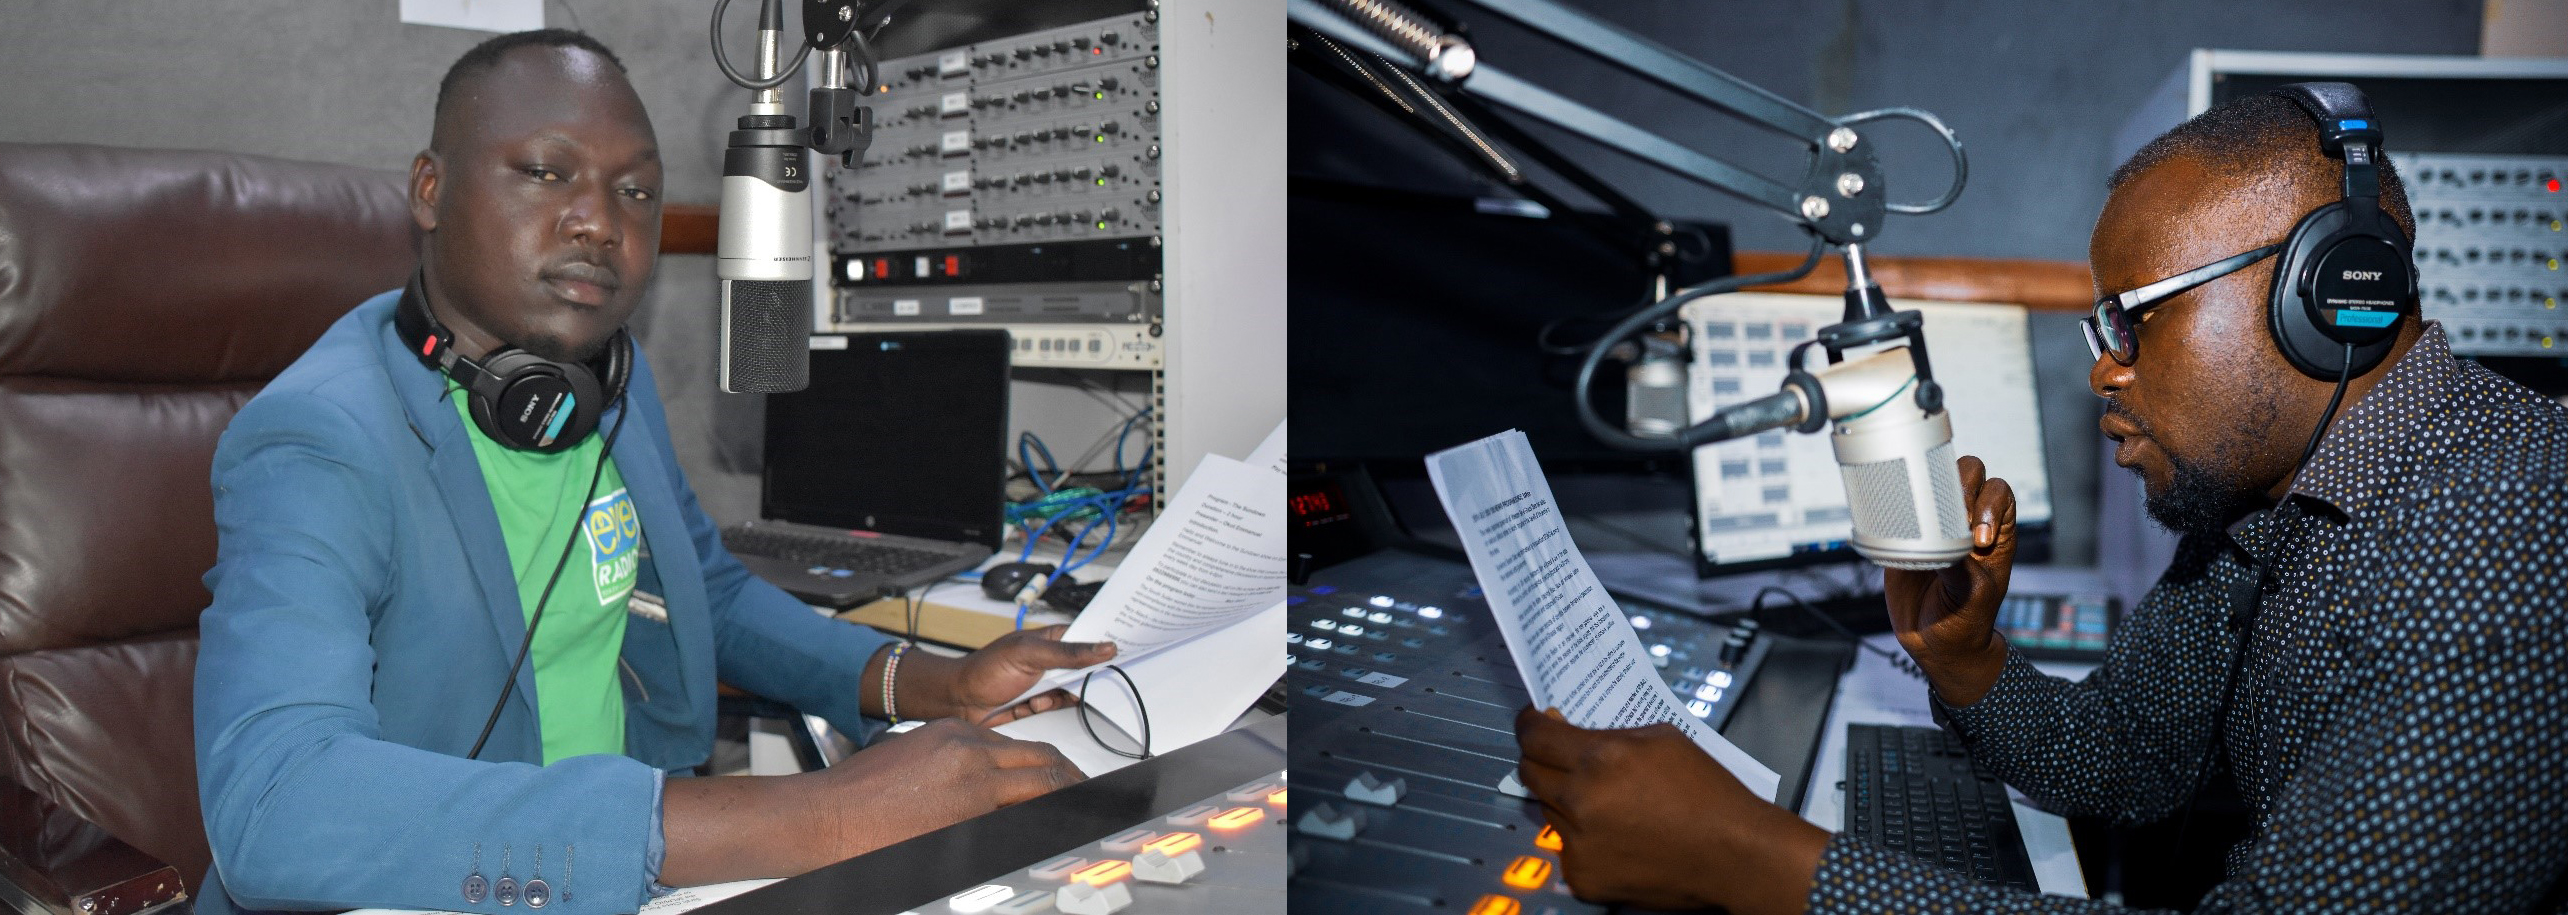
[(830, 551)]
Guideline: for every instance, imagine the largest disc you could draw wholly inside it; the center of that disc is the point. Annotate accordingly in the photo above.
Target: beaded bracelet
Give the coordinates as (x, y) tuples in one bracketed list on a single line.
[(891, 668)]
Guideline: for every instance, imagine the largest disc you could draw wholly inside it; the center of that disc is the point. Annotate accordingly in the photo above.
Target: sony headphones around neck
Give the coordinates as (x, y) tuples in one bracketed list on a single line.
[(517, 398), (2347, 274)]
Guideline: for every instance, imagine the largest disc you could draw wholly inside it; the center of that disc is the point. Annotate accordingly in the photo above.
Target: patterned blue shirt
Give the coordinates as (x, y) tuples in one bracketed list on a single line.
[(2400, 723)]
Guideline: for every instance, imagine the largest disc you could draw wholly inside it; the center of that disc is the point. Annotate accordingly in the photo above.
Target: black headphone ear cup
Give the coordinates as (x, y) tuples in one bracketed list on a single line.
[(536, 404), (619, 368), (2290, 315)]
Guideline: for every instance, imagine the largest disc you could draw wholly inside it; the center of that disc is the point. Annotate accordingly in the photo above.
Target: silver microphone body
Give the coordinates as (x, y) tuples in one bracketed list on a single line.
[(1903, 486), (764, 259)]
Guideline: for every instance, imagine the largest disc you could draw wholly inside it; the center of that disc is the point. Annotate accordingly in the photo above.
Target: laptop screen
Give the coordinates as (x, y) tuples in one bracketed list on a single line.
[(900, 433)]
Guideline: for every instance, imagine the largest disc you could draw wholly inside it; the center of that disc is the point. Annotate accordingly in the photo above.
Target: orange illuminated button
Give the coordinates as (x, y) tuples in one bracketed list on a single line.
[(1113, 869), (1548, 840), (1528, 873), (1175, 843), (1193, 816), (1238, 817), (1277, 798), (1496, 905)]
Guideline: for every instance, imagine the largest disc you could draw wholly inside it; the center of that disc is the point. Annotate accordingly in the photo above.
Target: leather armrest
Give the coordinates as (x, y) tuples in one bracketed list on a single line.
[(54, 861)]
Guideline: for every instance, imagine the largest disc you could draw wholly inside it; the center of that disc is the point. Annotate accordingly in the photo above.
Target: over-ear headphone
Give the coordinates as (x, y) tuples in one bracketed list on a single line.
[(517, 398), (2347, 274)]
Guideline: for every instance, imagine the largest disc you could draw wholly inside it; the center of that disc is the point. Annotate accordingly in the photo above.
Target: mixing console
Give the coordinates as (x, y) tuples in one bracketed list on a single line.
[(1404, 701), (1223, 853), (1194, 831)]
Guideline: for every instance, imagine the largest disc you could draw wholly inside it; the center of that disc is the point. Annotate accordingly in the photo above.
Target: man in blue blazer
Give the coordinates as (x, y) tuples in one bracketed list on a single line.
[(375, 724)]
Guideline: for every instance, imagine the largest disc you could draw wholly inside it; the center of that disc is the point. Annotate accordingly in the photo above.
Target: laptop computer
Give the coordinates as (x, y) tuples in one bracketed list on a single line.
[(889, 472)]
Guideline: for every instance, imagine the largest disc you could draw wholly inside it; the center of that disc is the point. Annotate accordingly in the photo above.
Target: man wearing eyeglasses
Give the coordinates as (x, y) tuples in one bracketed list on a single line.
[(2362, 630)]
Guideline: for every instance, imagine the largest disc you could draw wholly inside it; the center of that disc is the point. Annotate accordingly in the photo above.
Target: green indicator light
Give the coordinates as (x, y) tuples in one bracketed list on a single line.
[(1101, 95), (1101, 182), (1101, 138), (1101, 225)]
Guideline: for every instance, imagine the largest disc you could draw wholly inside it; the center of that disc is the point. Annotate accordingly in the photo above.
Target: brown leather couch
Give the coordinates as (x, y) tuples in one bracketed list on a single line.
[(144, 296)]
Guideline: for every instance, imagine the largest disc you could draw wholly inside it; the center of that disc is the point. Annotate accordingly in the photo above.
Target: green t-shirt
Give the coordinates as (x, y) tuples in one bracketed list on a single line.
[(579, 705)]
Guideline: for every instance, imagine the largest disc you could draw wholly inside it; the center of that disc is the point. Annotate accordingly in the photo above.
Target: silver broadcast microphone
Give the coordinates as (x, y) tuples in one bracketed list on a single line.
[(764, 255), (1903, 486)]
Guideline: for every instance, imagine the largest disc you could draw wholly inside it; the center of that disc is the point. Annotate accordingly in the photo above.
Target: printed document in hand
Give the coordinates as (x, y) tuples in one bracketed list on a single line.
[(1214, 560), (1577, 651)]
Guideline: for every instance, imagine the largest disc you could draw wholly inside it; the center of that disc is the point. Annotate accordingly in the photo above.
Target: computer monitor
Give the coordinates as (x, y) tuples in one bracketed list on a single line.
[(1777, 498)]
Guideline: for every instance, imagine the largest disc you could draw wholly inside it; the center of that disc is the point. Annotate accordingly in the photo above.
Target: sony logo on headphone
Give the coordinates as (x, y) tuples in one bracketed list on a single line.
[(2362, 274)]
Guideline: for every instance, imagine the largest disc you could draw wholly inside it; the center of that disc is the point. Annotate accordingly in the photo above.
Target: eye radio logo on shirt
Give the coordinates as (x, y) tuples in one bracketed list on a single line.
[(614, 536)]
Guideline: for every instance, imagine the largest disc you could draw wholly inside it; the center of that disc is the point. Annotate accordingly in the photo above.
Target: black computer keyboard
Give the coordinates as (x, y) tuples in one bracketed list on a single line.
[(1915, 790), (825, 550)]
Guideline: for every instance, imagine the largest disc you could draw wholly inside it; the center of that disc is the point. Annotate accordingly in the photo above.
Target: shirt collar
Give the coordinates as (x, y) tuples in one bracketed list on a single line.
[(2361, 461)]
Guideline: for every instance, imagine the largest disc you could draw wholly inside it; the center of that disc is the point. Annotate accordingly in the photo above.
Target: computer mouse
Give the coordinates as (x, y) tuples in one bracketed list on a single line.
[(1002, 582)]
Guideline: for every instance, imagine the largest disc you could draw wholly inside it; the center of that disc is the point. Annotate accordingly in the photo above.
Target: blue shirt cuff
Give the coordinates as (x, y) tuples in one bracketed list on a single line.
[(656, 849)]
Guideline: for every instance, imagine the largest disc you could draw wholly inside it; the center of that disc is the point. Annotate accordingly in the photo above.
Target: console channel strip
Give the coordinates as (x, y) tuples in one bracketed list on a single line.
[(1403, 746), (2491, 238), (1223, 853), (1015, 182)]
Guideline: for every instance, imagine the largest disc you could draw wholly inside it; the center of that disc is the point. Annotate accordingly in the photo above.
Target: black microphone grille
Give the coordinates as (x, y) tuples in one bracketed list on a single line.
[(766, 336)]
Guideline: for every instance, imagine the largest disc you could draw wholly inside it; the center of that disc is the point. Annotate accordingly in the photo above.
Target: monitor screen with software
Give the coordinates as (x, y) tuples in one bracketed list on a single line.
[(1777, 497)]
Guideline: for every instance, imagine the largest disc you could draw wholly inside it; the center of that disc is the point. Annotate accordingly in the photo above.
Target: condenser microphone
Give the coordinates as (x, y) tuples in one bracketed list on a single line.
[(764, 259), (763, 256), (1903, 486)]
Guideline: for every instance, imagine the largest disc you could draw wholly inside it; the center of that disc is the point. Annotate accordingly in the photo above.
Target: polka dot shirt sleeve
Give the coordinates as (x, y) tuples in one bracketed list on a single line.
[(2127, 742)]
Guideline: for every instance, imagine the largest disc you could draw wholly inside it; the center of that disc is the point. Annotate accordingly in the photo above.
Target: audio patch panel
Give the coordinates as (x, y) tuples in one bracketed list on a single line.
[(1014, 182), (2491, 238)]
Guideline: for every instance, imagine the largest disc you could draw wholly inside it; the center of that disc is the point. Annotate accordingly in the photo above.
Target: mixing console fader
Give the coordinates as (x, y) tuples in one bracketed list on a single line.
[(1403, 747)]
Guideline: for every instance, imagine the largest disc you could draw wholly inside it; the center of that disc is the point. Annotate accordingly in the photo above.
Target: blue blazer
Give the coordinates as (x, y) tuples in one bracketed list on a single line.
[(365, 612)]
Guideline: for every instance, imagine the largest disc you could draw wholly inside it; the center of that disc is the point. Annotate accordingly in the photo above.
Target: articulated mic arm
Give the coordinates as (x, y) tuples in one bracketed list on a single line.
[(1840, 199)]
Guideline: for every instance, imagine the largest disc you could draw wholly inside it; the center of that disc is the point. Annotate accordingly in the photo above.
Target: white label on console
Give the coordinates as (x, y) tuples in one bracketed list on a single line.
[(963, 305), (955, 142), (958, 182), (1343, 697), (957, 221), (954, 105), (1378, 678), (905, 308), (828, 341), (953, 63)]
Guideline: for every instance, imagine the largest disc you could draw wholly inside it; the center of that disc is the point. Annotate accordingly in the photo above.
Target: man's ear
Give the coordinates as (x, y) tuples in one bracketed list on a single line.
[(425, 185)]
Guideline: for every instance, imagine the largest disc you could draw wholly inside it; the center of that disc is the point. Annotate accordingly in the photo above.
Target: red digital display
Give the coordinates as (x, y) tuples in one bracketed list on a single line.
[(1318, 503)]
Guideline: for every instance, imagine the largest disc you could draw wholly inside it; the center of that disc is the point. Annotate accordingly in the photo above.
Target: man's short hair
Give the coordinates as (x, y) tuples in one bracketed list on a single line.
[(2256, 138), (486, 55)]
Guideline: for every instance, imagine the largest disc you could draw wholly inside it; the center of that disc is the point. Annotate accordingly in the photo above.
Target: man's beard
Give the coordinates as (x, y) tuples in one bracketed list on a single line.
[(2202, 497), (2196, 500)]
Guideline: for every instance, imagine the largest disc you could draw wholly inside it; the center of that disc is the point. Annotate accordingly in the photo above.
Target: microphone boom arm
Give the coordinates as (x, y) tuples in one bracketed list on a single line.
[(1841, 198)]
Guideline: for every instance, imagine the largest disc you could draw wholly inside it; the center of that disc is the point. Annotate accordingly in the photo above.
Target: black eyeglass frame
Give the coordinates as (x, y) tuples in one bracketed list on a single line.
[(2116, 317)]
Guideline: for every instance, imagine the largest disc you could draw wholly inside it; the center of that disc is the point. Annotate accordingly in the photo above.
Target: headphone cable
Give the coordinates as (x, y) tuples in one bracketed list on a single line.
[(2344, 374), (579, 526)]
